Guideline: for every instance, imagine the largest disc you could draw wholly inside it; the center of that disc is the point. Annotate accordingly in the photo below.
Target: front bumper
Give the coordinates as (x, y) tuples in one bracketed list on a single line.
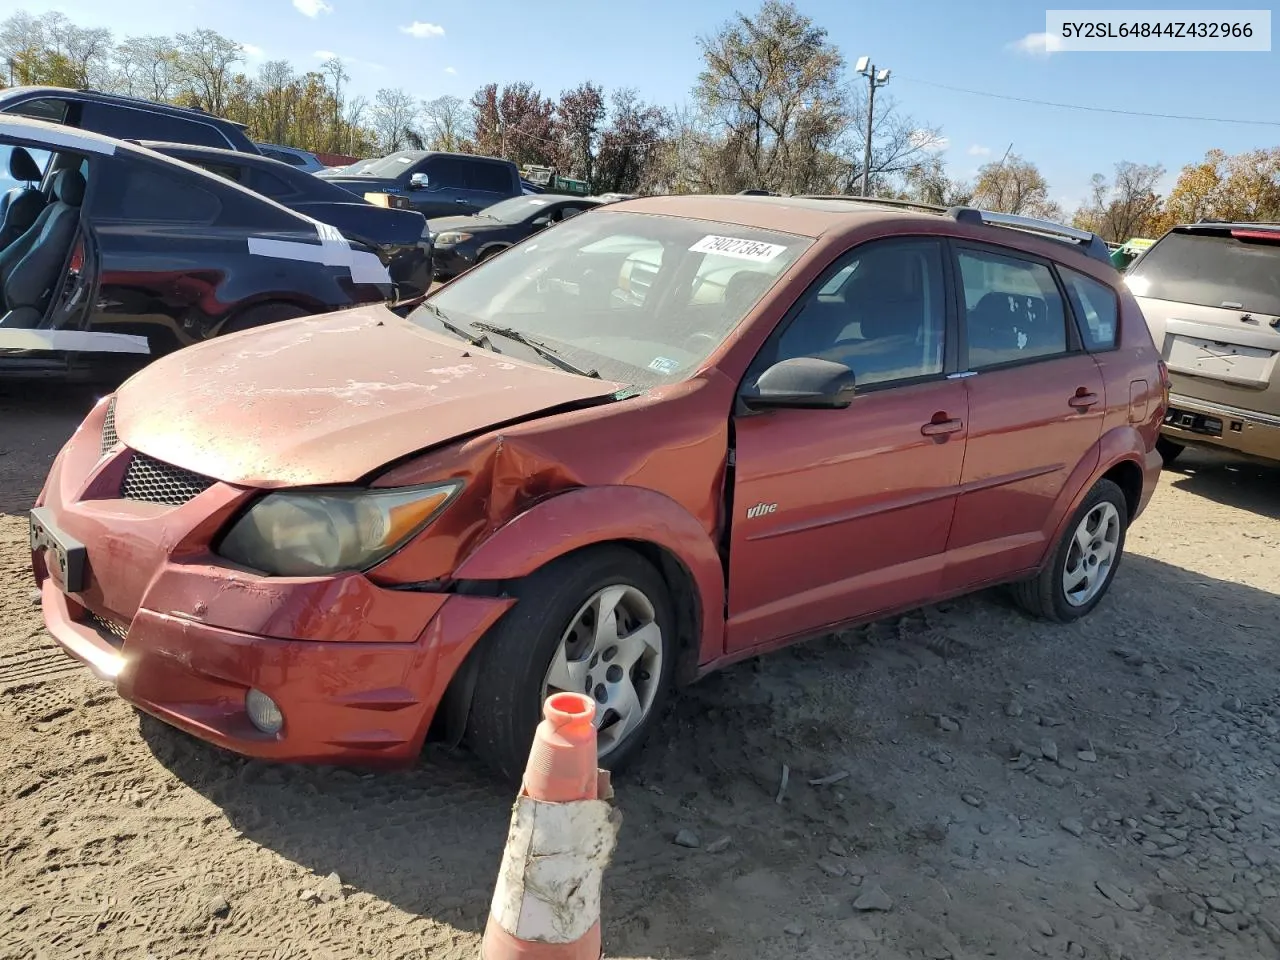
[(1201, 423), (357, 669), (448, 262)]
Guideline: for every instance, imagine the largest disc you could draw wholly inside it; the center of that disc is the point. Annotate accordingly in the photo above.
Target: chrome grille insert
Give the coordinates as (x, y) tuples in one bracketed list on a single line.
[(154, 481), (109, 438)]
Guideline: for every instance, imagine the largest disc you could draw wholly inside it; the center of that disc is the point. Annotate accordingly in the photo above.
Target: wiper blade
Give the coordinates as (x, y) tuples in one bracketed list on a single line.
[(480, 341), (538, 347)]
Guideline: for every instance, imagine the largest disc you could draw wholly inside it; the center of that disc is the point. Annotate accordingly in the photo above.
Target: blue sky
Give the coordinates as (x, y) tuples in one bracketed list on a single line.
[(434, 47)]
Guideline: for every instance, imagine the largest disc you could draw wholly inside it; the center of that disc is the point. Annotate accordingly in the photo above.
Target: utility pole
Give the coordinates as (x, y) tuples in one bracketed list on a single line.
[(874, 79)]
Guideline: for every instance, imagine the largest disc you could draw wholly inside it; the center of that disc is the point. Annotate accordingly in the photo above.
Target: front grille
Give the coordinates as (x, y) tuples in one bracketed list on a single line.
[(109, 438), (155, 481), (114, 633)]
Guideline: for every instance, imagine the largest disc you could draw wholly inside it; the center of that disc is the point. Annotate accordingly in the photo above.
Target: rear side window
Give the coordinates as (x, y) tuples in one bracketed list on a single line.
[(492, 177), (127, 123), (446, 172), (1013, 310), (1095, 308), (268, 184), (1211, 269), (54, 111), (144, 191), (284, 157)]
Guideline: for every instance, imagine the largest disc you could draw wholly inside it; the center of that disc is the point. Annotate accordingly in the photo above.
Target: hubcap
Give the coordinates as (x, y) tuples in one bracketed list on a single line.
[(612, 651), (1092, 554)]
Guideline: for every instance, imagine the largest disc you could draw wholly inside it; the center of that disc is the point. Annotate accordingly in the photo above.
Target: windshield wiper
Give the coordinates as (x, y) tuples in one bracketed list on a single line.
[(481, 341), (538, 347)]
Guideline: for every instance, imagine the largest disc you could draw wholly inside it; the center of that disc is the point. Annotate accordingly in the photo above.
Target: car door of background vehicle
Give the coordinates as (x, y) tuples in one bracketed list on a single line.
[(1036, 405), (487, 183), (838, 514), (445, 194)]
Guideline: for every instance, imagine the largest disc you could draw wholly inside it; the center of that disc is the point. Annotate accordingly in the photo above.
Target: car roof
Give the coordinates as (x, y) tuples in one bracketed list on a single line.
[(236, 157), (818, 217), (57, 134), (97, 95)]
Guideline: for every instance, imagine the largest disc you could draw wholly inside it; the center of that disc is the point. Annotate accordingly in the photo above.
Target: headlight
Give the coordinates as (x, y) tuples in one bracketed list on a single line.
[(303, 534), (451, 237)]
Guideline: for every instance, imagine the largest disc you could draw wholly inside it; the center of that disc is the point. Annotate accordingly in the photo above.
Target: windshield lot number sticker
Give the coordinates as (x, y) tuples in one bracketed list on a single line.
[(738, 248), (664, 365)]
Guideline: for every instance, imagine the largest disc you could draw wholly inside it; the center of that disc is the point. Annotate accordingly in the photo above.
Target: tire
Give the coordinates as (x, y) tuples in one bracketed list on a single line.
[(1046, 595), (491, 252), (517, 657), (260, 315), (1168, 449)]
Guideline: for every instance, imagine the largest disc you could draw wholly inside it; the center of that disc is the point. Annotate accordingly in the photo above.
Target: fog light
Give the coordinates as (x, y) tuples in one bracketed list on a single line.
[(263, 712)]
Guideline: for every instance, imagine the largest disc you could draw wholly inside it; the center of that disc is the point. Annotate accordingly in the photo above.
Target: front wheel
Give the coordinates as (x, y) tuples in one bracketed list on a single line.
[(1085, 561), (598, 622)]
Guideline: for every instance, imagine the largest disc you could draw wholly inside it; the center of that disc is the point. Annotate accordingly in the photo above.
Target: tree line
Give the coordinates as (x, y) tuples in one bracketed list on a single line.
[(775, 106)]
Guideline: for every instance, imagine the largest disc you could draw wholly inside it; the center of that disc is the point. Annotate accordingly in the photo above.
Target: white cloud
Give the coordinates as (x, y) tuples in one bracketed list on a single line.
[(978, 150), (312, 8), (452, 71), (420, 29), (251, 50), (1037, 44)]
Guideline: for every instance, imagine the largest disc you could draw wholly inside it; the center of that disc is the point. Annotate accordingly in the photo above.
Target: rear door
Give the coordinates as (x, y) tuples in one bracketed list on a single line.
[(1036, 406), (488, 182), (1211, 296)]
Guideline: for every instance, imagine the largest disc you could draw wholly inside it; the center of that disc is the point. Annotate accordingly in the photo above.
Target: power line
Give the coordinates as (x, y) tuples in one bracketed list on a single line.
[(1089, 109)]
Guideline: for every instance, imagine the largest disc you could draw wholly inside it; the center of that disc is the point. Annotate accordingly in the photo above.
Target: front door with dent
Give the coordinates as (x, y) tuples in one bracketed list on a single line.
[(839, 514)]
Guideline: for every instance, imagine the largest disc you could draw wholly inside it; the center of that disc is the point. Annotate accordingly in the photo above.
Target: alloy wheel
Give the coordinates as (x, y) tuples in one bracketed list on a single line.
[(1094, 548), (612, 651)]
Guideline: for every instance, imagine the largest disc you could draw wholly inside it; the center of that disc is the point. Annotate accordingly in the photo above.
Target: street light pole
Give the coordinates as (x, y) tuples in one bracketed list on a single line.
[(874, 79)]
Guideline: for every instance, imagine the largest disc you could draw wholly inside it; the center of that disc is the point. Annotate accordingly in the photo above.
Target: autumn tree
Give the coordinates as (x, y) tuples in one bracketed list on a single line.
[(1127, 206), (1014, 185), (928, 182), (627, 147), (579, 116)]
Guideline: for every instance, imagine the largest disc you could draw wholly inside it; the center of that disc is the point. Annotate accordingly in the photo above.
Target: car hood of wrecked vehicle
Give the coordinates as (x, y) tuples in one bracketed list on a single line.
[(330, 399)]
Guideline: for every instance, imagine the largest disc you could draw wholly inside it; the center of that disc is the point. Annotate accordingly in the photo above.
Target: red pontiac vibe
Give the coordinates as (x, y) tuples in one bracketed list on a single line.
[(660, 437)]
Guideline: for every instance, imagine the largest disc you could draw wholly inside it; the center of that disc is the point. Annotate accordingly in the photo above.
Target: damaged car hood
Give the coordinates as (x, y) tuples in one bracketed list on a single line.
[(329, 399)]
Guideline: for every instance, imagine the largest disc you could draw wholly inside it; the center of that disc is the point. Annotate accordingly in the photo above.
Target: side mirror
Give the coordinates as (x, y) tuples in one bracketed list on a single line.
[(804, 382), (542, 222), (419, 181)]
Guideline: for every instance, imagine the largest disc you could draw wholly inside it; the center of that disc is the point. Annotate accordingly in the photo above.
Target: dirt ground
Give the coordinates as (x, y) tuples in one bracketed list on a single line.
[(988, 785)]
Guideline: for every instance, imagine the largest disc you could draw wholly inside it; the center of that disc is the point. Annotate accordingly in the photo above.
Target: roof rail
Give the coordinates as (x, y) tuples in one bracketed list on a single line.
[(882, 201), (1093, 245)]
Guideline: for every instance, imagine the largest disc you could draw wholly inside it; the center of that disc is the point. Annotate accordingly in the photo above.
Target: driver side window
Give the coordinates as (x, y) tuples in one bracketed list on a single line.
[(881, 311)]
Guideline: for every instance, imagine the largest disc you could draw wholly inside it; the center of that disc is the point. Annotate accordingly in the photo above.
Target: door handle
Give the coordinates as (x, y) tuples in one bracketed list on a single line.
[(459, 200), (1083, 401), (935, 428)]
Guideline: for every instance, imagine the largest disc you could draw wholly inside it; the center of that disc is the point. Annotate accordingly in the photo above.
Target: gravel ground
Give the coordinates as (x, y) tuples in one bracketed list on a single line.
[(963, 782)]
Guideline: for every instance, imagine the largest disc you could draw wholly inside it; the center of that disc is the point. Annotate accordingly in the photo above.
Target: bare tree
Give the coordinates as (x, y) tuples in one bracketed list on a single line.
[(394, 114), (447, 121), (337, 74), (149, 67), (206, 58), (1126, 207)]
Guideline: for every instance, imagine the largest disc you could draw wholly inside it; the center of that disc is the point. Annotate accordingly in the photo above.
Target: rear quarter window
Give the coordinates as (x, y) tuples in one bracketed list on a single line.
[(50, 109), (147, 192), (1095, 307)]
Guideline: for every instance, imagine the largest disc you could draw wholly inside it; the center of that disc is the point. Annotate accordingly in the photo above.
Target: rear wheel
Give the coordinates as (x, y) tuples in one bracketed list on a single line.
[(260, 315), (1169, 450), (599, 622), (1085, 561)]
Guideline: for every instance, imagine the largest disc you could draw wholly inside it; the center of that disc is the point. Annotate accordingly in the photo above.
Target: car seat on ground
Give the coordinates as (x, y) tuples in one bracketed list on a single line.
[(31, 266)]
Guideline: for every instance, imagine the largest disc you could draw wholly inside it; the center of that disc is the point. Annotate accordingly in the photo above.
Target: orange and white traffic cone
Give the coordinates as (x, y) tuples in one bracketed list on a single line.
[(546, 905)]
